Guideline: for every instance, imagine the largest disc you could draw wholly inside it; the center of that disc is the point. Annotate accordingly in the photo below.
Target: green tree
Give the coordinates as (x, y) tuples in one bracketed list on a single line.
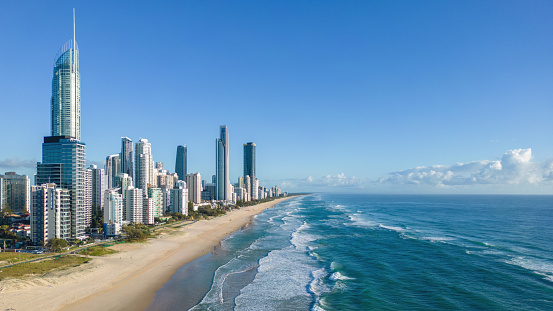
[(4, 213), (97, 219), (56, 244), (136, 232)]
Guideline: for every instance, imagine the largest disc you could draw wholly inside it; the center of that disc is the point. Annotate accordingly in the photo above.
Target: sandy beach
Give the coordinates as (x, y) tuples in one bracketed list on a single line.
[(129, 279)]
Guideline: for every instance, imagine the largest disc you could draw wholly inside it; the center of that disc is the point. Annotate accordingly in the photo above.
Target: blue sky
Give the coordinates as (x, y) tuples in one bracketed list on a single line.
[(362, 96)]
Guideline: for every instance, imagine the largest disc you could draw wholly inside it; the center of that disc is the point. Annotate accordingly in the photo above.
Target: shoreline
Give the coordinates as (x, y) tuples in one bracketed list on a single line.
[(129, 279)]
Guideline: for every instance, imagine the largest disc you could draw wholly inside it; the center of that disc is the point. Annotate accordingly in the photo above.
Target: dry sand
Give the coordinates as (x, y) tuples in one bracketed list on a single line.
[(127, 280)]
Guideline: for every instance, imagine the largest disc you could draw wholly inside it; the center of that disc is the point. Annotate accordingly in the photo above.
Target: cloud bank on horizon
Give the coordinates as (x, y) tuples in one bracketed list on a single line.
[(515, 168)]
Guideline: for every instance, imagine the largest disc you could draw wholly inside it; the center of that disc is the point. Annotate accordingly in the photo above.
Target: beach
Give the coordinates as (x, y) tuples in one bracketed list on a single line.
[(129, 279)]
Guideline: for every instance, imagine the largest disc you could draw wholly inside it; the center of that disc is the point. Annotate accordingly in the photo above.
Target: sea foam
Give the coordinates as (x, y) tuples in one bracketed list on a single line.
[(338, 276), (537, 266)]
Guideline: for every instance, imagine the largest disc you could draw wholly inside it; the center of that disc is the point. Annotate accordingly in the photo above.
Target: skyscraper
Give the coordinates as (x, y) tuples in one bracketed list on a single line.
[(134, 205), (97, 179), (180, 163), (179, 199), (144, 165), (66, 91), (63, 154), (63, 163), (249, 160), (249, 166), (113, 212), (222, 170), (113, 168), (126, 157), (194, 185)]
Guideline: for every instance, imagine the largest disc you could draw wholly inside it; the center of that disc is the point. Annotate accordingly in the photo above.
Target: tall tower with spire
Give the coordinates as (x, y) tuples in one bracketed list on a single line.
[(63, 153), (65, 104)]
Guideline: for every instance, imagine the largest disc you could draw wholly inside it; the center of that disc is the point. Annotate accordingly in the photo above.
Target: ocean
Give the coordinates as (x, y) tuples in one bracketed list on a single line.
[(378, 252)]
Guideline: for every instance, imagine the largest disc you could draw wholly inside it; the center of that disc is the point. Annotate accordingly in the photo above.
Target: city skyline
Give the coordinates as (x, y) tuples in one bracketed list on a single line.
[(472, 119)]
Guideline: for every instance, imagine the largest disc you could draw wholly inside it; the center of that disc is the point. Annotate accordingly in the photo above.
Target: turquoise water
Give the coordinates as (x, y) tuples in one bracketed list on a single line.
[(378, 252)]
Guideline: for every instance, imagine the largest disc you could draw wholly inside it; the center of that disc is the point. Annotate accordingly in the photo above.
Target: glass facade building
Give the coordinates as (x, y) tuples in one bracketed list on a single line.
[(66, 93), (63, 163), (127, 156), (222, 170), (249, 160), (63, 153), (180, 163)]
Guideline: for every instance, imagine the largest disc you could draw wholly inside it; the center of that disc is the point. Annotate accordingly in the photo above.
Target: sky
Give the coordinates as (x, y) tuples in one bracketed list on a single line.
[(339, 96)]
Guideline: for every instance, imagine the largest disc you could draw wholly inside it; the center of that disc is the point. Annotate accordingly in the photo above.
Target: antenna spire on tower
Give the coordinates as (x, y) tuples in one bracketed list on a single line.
[(74, 44)]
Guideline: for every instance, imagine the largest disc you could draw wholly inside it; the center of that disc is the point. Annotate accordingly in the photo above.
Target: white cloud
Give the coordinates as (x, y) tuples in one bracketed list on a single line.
[(515, 167), (329, 181)]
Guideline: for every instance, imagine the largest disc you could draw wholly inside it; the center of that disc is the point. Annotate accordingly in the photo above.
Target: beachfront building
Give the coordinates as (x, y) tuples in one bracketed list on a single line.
[(180, 163), (134, 205), (63, 163), (113, 212), (149, 210), (15, 192), (144, 165), (179, 199), (194, 184), (156, 194), (50, 213), (248, 186), (127, 166), (241, 194), (112, 168), (222, 165), (255, 189), (88, 196), (63, 153)]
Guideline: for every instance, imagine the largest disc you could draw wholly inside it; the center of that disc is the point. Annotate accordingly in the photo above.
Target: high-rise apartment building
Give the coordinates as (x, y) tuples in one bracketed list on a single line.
[(179, 199), (148, 211), (144, 165), (248, 186), (97, 179), (50, 213), (180, 163), (194, 185), (63, 153), (127, 166), (88, 196), (15, 192), (112, 168), (134, 205), (222, 165), (113, 212), (63, 163), (255, 189), (156, 195)]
